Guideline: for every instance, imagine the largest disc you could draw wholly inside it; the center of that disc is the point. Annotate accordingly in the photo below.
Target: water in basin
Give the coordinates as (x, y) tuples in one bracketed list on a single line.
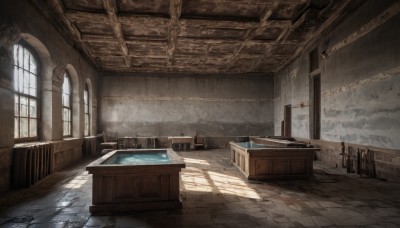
[(249, 145), (126, 158)]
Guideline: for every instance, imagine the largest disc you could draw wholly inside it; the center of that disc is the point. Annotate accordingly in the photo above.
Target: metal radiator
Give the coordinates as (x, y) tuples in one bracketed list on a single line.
[(31, 163)]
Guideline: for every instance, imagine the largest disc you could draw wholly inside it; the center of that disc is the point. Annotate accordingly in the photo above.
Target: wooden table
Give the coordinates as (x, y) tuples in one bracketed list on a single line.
[(181, 142)]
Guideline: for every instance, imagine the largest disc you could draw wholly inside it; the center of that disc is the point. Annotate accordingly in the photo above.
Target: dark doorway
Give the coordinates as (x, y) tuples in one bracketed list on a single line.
[(317, 107), (288, 121)]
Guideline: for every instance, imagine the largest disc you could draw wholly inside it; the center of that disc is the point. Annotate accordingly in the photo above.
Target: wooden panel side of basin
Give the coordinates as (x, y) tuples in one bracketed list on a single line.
[(281, 163), (273, 163), (134, 188)]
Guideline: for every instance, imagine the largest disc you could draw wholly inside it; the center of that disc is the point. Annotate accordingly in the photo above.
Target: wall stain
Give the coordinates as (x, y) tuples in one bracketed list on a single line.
[(378, 77), (149, 98)]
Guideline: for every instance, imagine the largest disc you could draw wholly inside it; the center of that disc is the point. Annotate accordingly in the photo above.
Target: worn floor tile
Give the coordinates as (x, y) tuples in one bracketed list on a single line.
[(214, 194)]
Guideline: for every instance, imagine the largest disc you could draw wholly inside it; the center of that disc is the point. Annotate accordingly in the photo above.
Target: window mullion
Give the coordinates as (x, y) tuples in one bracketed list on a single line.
[(19, 116)]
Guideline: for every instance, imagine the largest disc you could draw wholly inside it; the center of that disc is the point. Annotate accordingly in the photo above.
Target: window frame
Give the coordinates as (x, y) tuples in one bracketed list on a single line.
[(69, 108), (86, 110), (17, 94)]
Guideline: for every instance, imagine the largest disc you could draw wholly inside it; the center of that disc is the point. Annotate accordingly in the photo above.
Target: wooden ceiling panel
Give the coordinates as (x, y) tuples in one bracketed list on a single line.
[(94, 28), (221, 9), (149, 62), (84, 5), (186, 60), (283, 49), (208, 23), (218, 49), (256, 48), (289, 11), (193, 36), (104, 48), (132, 31), (107, 60), (243, 63), (218, 61), (147, 48), (211, 33), (146, 7), (273, 59), (269, 33), (195, 48)]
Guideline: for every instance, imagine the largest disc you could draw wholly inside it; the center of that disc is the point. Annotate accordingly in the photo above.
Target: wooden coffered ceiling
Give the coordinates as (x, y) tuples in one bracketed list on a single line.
[(193, 36)]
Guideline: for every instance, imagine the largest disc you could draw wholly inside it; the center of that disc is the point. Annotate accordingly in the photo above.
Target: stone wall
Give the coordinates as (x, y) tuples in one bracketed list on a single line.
[(360, 86), (162, 105)]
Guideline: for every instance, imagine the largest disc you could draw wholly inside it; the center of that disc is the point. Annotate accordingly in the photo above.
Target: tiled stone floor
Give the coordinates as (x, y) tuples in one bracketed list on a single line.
[(214, 194)]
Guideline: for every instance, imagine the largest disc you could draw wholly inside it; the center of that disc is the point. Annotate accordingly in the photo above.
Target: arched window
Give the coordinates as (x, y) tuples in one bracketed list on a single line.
[(67, 106), (26, 98), (86, 113)]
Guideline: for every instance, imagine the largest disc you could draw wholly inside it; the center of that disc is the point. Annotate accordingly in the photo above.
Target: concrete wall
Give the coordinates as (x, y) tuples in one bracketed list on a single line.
[(360, 83), (21, 20), (173, 104)]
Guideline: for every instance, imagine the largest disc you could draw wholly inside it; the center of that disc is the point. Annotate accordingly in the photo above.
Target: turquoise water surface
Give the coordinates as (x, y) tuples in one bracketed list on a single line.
[(126, 158), (249, 145)]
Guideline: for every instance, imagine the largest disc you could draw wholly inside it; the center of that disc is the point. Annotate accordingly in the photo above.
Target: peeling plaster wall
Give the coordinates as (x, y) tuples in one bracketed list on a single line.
[(360, 84), (164, 105), (291, 86)]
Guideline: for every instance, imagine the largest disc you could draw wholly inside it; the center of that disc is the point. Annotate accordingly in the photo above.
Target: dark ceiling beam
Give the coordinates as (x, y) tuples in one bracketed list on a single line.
[(134, 20), (144, 20), (130, 38), (209, 23), (267, 12), (175, 9), (147, 56), (151, 49), (135, 55), (264, 22), (282, 38), (250, 56), (222, 41), (311, 38), (76, 16), (252, 33), (277, 24), (201, 40), (252, 2), (147, 42), (59, 10), (111, 8), (94, 38), (297, 24)]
